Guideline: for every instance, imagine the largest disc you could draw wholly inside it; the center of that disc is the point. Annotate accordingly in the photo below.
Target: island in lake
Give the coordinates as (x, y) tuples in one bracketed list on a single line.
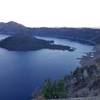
[(27, 43)]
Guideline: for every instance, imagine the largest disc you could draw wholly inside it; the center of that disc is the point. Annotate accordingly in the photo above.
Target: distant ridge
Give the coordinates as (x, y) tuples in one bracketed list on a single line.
[(83, 35), (12, 28)]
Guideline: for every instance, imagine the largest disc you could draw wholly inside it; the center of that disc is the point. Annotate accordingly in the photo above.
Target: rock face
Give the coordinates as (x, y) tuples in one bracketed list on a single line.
[(26, 43)]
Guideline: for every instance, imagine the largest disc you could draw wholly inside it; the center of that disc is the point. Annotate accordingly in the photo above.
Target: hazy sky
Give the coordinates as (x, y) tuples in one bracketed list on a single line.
[(52, 13)]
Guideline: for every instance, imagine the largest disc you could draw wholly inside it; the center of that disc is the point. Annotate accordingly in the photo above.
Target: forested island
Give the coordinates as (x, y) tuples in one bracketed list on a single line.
[(26, 43)]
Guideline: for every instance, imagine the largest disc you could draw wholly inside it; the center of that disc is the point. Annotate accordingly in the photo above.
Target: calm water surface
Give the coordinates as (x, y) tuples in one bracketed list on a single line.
[(23, 72)]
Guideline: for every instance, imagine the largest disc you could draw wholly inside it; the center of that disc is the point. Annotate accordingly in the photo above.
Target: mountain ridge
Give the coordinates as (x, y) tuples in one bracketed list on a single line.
[(85, 35)]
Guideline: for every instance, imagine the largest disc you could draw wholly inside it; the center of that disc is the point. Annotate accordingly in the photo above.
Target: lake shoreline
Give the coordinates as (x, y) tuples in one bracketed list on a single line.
[(87, 42), (27, 70)]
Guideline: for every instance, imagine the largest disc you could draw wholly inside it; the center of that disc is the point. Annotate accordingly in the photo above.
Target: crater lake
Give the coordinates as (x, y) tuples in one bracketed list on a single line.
[(21, 73)]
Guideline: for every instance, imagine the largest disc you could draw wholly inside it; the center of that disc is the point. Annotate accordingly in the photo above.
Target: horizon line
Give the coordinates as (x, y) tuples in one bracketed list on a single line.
[(78, 27)]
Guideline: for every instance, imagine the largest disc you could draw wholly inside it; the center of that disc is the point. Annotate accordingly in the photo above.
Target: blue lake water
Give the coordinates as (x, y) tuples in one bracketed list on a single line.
[(23, 72)]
